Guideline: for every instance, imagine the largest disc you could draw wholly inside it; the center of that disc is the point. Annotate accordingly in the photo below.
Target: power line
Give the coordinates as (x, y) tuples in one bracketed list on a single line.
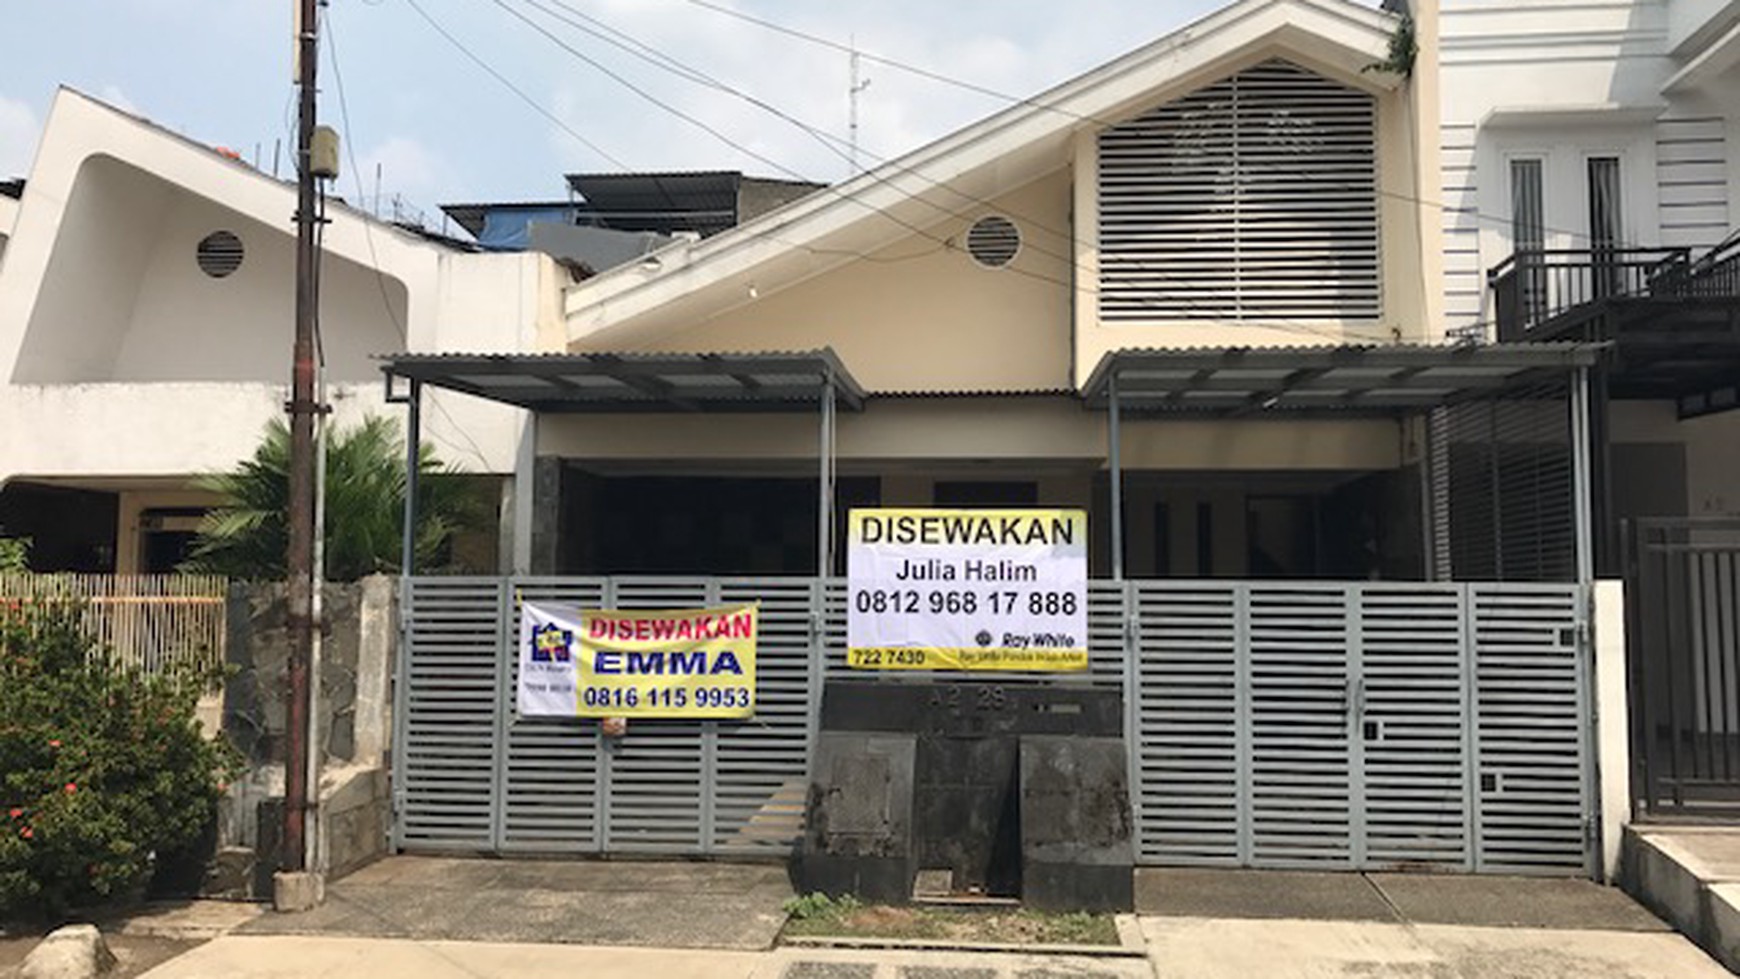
[(652, 55), (978, 89), (402, 329), (503, 79)]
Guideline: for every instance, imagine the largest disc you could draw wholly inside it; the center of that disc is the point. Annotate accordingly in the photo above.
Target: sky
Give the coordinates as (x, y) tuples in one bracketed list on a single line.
[(441, 128)]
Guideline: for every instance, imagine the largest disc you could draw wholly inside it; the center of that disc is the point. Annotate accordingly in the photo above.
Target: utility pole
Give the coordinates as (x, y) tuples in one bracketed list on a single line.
[(299, 560), (853, 88)]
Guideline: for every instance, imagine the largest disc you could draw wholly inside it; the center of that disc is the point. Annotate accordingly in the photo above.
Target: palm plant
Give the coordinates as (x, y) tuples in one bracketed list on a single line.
[(246, 536)]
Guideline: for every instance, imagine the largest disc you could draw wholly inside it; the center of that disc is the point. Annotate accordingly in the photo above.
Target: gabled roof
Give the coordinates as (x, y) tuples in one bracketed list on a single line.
[(942, 180)]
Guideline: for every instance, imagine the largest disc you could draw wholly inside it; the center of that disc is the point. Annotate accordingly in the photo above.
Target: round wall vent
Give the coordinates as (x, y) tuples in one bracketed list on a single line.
[(219, 254), (993, 241)]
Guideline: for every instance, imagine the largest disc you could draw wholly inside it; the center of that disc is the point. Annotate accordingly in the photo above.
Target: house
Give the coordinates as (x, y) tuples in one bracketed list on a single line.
[(1592, 191), (1196, 293), (145, 329)]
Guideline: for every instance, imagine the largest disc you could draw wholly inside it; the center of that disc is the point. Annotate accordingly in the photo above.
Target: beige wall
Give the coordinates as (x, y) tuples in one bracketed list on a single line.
[(131, 506), (921, 315), (939, 430)]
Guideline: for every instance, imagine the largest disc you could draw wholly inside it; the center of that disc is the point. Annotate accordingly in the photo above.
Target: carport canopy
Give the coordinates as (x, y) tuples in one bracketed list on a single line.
[(1324, 381), (1347, 381), (640, 382), (781, 381)]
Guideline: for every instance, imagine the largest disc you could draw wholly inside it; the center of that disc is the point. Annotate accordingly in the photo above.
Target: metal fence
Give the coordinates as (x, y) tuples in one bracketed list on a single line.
[(148, 621), (1683, 581), (1349, 725)]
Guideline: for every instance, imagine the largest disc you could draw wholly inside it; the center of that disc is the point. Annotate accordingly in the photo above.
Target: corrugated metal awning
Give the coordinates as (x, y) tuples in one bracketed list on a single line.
[(1340, 381), (639, 382)]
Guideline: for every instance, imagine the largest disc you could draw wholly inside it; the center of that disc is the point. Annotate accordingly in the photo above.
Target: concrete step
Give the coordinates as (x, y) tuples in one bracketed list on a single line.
[(1690, 875)]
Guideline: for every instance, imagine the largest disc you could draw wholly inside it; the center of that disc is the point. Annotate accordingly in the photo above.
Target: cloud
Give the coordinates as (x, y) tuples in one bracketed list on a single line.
[(408, 169), (19, 131)]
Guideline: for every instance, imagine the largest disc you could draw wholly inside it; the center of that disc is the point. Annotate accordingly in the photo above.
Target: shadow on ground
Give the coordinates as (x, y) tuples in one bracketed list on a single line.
[(666, 905)]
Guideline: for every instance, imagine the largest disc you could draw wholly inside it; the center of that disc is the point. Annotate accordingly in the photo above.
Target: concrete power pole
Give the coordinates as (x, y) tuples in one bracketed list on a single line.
[(299, 560)]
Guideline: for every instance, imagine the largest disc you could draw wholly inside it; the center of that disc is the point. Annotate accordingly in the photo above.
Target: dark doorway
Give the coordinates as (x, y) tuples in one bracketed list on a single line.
[(719, 525), (69, 529)]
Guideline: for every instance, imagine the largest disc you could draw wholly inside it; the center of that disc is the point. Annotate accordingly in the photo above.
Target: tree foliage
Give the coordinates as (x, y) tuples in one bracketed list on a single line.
[(247, 535), (105, 777)]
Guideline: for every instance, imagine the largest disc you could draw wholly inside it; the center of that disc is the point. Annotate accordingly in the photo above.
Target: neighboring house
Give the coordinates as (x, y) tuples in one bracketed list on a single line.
[(1592, 184), (146, 296)]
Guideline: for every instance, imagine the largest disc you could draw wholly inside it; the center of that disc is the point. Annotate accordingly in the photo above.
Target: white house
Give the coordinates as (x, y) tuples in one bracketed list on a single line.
[(146, 295)]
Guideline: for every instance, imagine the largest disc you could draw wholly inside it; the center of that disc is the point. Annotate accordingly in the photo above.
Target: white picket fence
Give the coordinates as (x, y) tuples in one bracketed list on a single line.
[(149, 621)]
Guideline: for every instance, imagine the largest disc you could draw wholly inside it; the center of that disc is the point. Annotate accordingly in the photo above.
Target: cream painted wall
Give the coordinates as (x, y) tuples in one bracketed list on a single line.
[(1038, 430), (1712, 464), (921, 315)]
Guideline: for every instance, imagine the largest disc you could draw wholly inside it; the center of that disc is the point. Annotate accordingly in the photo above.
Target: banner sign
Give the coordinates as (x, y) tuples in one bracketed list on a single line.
[(576, 663), (967, 590)]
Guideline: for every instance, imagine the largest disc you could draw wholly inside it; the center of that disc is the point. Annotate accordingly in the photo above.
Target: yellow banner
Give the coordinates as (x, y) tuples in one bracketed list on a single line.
[(691, 663), (1027, 660)]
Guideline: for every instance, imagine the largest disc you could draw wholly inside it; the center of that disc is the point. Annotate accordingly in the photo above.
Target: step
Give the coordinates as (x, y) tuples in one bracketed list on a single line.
[(1690, 875)]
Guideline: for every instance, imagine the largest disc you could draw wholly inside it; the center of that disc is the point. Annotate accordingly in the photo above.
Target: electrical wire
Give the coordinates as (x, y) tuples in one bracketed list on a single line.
[(1038, 104), (556, 120), (652, 55), (368, 236)]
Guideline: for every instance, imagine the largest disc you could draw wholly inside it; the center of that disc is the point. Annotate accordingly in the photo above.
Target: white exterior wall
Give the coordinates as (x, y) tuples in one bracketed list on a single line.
[(120, 358), (1562, 81)]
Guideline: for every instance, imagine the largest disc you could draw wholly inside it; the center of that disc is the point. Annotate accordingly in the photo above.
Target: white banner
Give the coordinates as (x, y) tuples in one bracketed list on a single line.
[(967, 589), (549, 641)]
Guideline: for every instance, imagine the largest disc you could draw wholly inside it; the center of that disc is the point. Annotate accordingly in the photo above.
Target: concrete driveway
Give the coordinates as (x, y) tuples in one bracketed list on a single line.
[(1225, 924), (567, 902)]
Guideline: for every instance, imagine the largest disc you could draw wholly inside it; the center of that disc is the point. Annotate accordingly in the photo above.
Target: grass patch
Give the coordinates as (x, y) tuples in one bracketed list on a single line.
[(820, 915)]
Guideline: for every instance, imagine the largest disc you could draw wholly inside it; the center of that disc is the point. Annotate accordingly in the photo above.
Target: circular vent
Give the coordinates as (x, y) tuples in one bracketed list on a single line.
[(219, 254), (993, 241)]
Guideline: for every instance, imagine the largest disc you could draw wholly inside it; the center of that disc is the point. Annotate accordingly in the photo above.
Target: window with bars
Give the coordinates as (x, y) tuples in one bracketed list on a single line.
[(1253, 198)]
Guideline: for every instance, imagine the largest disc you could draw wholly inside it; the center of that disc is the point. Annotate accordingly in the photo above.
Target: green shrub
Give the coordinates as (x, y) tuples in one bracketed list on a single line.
[(103, 770)]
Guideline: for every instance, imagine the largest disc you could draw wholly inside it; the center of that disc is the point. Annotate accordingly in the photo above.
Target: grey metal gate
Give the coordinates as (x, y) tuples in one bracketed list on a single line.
[(1361, 726), (1346, 725), (470, 776)]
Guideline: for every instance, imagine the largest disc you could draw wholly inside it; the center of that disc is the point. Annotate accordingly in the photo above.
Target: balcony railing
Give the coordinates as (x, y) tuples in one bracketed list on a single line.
[(1539, 293)]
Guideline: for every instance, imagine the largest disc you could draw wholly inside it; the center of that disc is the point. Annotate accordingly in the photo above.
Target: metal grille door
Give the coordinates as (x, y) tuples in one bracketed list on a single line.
[(1360, 726)]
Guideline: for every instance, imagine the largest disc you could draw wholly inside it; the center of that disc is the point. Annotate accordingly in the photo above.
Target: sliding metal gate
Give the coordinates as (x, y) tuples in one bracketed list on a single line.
[(1336, 725), (1361, 726)]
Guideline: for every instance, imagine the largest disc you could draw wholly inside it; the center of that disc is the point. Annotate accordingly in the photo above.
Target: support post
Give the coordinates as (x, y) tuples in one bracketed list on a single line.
[(825, 482), (1428, 505), (413, 443), (1581, 482), (1114, 454)]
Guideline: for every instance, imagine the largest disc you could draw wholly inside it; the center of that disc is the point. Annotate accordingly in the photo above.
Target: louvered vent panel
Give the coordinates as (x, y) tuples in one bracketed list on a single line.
[(655, 789), (1254, 198), (551, 765), (1411, 730), (1532, 750), (1190, 733), (1301, 775), (1501, 488), (444, 764), (760, 765)]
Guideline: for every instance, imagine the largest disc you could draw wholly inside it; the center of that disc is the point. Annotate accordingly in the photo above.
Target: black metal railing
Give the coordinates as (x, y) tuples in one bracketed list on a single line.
[(1536, 288), (1682, 600)]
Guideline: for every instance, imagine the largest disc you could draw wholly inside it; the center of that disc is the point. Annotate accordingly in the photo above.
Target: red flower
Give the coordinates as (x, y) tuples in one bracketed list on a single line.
[(15, 812), (71, 787), (27, 833), (54, 743)]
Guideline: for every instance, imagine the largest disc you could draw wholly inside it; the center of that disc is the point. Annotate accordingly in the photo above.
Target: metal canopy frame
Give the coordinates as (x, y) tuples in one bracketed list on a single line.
[(1340, 382), (726, 383)]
